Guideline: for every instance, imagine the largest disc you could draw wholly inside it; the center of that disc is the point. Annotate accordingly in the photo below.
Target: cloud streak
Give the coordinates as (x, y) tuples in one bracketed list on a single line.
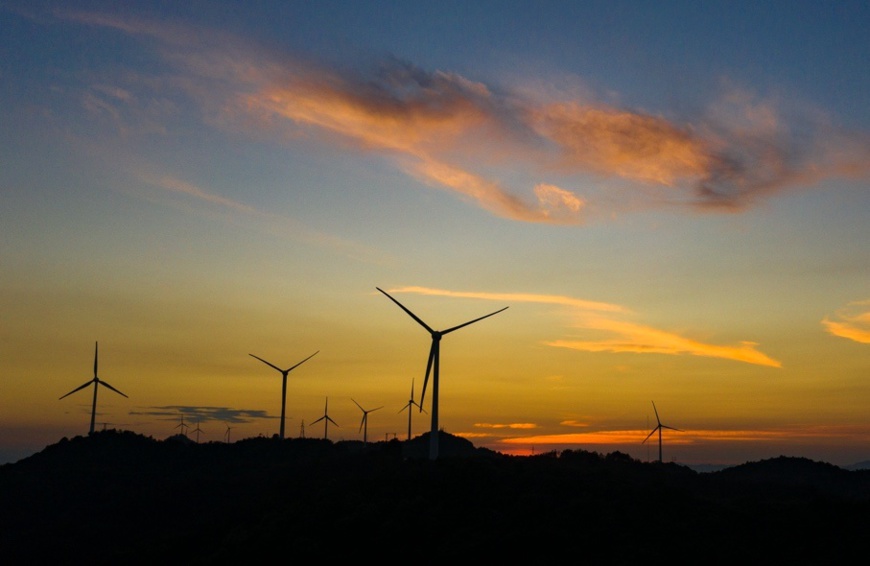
[(851, 322), (619, 336), (474, 139)]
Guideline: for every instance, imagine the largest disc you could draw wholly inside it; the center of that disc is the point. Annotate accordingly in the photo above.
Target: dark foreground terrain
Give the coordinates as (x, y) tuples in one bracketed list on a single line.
[(121, 498)]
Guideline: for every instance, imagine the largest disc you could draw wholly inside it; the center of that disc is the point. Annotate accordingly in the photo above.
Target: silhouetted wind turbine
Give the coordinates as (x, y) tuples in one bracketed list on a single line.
[(96, 381), (182, 426), (197, 430), (227, 433), (326, 419), (659, 428), (432, 365), (364, 423), (410, 404), (284, 373)]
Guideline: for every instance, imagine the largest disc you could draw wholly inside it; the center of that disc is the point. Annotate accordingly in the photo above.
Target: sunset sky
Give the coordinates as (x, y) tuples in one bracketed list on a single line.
[(670, 197)]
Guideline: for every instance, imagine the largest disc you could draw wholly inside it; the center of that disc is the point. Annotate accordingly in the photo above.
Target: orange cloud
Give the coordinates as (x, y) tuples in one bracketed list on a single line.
[(631, 437), (624, 336), (465, 136), (510, 425), (622, 143), (514, 297), (640, 339), (853, 322)]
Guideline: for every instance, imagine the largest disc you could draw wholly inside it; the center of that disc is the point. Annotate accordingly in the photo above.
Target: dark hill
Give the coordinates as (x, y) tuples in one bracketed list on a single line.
[(121, 498)]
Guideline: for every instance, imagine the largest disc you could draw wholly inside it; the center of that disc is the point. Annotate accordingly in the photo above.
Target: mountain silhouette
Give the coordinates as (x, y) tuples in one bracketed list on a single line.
[(117, 497)]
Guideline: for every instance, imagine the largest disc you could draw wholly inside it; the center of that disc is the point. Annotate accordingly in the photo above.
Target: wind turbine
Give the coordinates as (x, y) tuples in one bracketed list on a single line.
[(197, 430), (432, 365), (182, 426), (326, 419), (96, 381), (659, 428), (364, 423), (284, 373), (227, 433), (410, 404)]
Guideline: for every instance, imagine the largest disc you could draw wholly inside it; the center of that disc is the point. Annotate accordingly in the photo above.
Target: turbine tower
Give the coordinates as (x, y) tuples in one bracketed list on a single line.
[(432, 366), (659, 428), (326, 420), (411, 403), (96, 381), (284, 373), (364, 423)]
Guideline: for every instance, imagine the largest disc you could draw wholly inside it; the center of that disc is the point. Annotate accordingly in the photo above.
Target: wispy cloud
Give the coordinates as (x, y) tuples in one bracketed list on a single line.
[(599, 318), (524, 426), (203, 414), (475, 139), (275, 223), (852, 322), (684, 437)]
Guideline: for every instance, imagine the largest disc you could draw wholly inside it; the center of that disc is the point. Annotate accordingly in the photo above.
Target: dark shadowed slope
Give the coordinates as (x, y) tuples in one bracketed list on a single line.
[(120, 498)]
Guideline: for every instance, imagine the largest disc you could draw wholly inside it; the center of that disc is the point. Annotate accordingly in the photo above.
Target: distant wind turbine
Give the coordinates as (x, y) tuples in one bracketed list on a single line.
[(411, 403), (197, 430), (182, 426), (326, 420), (227, 433), (96, 381), (364, 423), (284, 373), (432, 365), (659, 428)]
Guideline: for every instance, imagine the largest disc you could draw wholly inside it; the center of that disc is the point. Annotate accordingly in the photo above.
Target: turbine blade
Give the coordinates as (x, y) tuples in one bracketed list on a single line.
[(373, 410), (361, 423), (672, 428), (318, 420), (657, 413), (332, 421), (267, 363), (443, 332), (101, 382), (428, 370), (358, 405), (96, 350), (303, 361), (650, 434), (79, 388), (412, 315)]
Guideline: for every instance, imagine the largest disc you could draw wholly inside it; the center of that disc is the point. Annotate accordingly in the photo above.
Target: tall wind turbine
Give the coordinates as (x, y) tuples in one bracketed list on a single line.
[(227, 433), (659, 428), (326, 420), (411, 403), (284, 373), (96, 381), (432, 365), (364, 423)]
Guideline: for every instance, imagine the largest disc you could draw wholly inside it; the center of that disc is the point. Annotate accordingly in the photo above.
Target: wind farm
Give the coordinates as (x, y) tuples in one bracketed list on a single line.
[(667, 197)]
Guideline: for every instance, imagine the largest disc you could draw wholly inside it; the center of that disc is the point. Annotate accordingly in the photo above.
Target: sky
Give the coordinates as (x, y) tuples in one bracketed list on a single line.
[(670, 198)]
